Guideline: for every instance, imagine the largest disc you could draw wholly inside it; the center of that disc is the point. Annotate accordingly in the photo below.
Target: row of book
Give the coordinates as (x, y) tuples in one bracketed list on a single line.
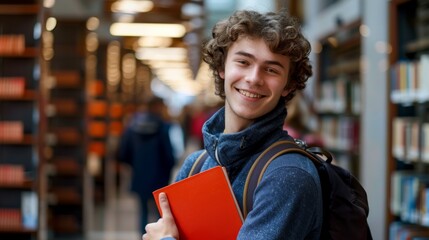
[(406, 137), (410, 197), (11, 131), (24, 218), (96, 88), (72, 136), (12, 86), (64, 135), (409, 80), (12, 43), (97, 147), (64, 195), (340, 133), (339, 96), (11, 174), (66, 166), (406, 231), (95, 108), (64, 79), (10, 219)]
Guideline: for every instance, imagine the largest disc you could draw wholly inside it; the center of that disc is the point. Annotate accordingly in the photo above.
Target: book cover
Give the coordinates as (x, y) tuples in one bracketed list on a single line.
[(204, 206)]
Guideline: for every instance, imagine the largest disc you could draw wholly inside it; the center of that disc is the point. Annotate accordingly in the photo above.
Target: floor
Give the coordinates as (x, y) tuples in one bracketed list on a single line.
[(118, 218)]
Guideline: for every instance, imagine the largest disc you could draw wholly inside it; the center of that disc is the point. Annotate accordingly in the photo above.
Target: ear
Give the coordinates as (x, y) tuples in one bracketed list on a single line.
[(285, 92), (222, 74)]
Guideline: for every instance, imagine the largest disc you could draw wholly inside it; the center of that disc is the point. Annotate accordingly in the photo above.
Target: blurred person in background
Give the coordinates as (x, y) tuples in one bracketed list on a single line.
[(146, 147), (297, 121)]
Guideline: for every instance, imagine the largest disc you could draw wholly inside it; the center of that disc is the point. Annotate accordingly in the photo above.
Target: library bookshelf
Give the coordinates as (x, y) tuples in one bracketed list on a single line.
[(408, 151)]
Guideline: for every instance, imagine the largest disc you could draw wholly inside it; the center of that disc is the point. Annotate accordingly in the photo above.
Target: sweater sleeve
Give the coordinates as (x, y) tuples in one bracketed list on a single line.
[(287, 203)]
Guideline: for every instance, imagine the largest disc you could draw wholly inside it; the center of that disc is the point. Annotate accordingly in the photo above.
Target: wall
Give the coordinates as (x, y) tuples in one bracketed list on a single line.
[(374, 116)]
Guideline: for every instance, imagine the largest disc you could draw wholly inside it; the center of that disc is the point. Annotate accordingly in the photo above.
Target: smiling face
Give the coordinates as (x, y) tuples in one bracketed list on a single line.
[(255, 79)]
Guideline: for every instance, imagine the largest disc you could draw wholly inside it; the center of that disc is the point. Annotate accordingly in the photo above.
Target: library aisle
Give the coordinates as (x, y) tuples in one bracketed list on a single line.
[(118, 218)]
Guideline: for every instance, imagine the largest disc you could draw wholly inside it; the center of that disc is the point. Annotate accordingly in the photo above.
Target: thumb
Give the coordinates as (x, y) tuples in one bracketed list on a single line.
[(165, 206)]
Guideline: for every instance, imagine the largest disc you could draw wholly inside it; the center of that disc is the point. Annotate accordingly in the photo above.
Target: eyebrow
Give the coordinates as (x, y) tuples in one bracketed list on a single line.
[(270, 62)]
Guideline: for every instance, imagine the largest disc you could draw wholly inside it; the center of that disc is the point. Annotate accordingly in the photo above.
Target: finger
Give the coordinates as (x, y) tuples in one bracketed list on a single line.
[(165, 206), (145, 237)]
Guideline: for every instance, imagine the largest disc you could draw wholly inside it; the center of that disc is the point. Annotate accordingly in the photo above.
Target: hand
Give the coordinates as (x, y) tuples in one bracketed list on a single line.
[(165, 226)]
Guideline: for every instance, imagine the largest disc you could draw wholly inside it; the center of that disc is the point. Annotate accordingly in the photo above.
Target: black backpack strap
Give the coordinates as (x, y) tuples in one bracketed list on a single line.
[(198, 164), (261, 163)]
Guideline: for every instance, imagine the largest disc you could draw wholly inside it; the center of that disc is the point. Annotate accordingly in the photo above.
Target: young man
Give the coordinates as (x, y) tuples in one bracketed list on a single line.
[(259, 61)]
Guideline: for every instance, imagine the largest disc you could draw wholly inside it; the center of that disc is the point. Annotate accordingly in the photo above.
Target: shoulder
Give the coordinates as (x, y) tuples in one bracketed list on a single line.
[(290, 194), (187, 165), (293, 168)]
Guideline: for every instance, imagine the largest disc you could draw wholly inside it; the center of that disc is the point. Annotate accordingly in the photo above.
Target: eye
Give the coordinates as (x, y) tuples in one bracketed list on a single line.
[(272, 70), (242, 62)]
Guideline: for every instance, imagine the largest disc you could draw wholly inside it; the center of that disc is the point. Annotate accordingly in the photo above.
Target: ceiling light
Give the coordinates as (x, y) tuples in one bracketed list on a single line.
[(192, 10), (155, 42), (148, 29), (51, 23), (166, 54), (132, 6)]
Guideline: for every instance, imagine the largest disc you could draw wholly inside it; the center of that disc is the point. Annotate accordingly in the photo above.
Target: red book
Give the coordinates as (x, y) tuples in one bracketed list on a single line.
[(204, 206)]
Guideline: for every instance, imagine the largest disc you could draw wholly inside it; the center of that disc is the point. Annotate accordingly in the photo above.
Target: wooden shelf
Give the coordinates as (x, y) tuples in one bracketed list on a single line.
[(406, 120), (19, 9), (29, 52), (29, 95), (337, 102), (27, 184), (27, 140), (349, 44), (345, 67), (18, 230), (20, 67), (418, 45)]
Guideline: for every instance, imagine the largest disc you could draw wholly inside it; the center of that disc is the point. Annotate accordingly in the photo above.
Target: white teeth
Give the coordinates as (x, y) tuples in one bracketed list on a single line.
[(248, 94)]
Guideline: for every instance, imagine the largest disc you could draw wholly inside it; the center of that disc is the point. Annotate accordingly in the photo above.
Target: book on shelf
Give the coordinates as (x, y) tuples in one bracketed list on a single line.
[(12, 43), (65, 79), (410, 141), (409, 80), (12, 86), (11, 131), (10, 218), (425, 144), (29, 210), (96, 88), (97, 108), (410, 197), (11, 174), (97, 147), (424, 78), (97, 129), (204, 206), (63, 107), (400, 230)]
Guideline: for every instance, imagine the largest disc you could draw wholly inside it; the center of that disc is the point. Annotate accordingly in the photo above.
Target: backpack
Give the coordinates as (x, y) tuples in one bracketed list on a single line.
[(345, 203)]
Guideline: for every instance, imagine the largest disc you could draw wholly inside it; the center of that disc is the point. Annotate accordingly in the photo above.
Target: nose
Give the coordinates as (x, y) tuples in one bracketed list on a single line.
[(254, 76)]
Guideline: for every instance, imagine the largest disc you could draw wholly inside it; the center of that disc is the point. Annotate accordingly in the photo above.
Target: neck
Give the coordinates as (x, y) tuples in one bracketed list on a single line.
[(234, 123)]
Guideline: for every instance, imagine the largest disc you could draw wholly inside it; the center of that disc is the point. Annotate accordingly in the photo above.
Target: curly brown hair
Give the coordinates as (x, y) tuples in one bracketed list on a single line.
[(280, 31)]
